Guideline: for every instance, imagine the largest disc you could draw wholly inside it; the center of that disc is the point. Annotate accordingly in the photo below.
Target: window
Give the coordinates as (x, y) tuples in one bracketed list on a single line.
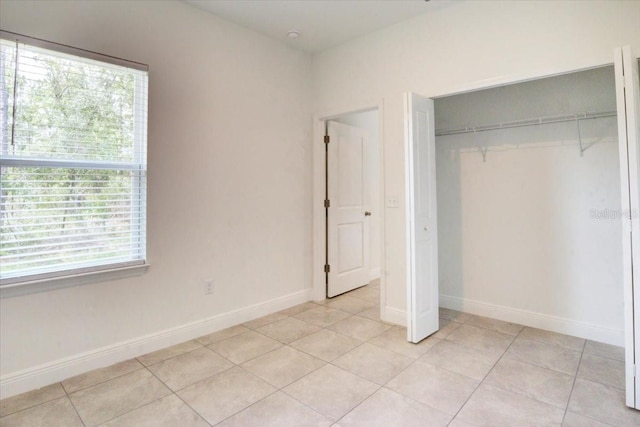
[(72, 161)]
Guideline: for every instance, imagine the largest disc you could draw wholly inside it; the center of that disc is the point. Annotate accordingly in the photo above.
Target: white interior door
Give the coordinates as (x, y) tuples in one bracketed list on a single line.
[(349, 210), (422, 221), (628, 104)]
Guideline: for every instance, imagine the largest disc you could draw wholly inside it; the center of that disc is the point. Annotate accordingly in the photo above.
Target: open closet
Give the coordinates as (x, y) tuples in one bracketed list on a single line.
[(528, 189), (537, 188)]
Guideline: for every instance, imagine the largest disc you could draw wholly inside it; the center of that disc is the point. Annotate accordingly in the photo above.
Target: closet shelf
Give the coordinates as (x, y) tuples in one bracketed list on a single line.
[(526, 122)]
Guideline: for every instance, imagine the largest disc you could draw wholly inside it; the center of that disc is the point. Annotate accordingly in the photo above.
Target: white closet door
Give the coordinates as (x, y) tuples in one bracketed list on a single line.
[(422, 221), (628, 103)]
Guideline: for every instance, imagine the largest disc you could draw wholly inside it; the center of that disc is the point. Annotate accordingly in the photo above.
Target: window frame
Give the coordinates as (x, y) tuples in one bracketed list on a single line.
[(28, 283)]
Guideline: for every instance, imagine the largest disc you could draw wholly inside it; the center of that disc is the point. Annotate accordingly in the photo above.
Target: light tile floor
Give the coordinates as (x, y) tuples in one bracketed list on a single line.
[(336, 364)]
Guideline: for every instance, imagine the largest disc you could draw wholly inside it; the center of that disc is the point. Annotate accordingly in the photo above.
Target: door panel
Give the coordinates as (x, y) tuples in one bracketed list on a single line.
[(350, 253), (423, 294), (628, 104), (425, 163), (350, 158), (348, 226), (422, 221)]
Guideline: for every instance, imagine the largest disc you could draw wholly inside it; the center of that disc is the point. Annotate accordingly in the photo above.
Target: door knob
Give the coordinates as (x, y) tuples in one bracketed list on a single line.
[(367, 213)]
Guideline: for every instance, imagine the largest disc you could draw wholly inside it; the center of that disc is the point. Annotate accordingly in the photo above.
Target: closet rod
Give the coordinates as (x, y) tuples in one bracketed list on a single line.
[(526, 122)]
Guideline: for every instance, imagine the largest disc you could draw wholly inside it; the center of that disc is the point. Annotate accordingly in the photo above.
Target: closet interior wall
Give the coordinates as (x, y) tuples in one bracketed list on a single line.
[(528, 222)]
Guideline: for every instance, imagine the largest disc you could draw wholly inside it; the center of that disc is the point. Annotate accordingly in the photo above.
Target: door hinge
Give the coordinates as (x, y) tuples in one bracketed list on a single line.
[(327, 203), (326, 139), (327, 268)]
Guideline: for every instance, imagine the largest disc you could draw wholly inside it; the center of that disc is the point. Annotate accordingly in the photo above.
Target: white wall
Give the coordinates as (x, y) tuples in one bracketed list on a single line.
[(229, 186), (368, 120), (461, 46), (519, 230)]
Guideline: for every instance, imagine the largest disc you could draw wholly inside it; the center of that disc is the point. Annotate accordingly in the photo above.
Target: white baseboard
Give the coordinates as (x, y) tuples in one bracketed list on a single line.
[(374, 273), (58, 370), (527, 318), (395, 316), (535, 320)]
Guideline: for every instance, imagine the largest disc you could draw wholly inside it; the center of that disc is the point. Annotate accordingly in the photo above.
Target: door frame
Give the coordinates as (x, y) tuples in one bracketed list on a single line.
[(318, 290)]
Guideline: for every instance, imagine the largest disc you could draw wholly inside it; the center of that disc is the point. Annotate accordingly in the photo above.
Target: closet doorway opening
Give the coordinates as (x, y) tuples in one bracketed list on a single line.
[(528, 189), (536, 191)]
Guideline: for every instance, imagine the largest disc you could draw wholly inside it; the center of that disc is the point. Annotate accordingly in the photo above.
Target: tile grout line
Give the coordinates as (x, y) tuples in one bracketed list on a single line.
[(546, 344), (68, 394), (200, 345), (177, 395), (305, 404), (346, 370), (359, 404), (541, 341), (605, 357), (37, 404), (529, 363), (413, 362), (248, 406), (601, 355), (485, 376), (573, 385), (359, 376), (590, 417), (486, 328), (144, 404), (74, 407), (544, 367), (103, 381)]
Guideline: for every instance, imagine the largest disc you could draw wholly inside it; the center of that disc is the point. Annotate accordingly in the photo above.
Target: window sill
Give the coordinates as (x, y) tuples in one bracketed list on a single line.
[(43, 285)]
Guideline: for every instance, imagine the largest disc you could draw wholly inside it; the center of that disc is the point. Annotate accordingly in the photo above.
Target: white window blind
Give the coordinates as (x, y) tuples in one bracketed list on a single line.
[(72, 161)]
